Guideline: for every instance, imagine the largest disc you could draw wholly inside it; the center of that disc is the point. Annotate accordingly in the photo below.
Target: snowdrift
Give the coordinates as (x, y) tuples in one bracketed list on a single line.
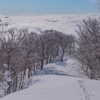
[(58, 81)]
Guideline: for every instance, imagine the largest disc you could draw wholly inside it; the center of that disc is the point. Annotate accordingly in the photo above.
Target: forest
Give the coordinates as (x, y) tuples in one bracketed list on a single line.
[(22, 54)]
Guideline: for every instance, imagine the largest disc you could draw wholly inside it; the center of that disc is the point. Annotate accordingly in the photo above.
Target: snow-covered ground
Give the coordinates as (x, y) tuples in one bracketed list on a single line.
[(69, 67), (58, 81), (37, 23)]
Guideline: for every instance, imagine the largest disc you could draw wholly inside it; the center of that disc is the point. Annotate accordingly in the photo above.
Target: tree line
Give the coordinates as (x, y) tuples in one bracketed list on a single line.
[(22, 53), (88, 51)]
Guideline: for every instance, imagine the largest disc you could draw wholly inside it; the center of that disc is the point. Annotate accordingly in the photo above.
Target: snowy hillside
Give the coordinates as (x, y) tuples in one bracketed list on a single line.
[(37, 23), (58, 81)]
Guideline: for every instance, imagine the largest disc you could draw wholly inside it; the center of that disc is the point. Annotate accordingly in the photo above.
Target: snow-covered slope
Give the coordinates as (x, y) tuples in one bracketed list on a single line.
[(52, 87), (69, 67), (57, 82)]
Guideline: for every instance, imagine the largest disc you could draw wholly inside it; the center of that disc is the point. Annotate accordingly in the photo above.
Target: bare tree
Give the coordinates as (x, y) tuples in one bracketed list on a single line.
[(64, 42), (88, 52), (22, 52), (49, 44), (28, 48), (9, 45)]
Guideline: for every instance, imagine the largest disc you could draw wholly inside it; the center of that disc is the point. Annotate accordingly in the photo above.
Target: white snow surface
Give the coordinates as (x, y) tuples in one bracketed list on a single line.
[(58, 81), (5, 85), (37, 23)]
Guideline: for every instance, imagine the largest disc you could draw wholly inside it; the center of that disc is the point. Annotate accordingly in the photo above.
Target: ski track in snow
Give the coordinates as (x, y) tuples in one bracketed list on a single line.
[(85, 93)]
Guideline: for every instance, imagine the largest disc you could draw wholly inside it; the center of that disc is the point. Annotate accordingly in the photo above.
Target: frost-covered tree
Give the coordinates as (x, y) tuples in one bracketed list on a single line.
[(88, 51), (52, 45), (29, 50), (64, 42), (22, 52), (9, 50)]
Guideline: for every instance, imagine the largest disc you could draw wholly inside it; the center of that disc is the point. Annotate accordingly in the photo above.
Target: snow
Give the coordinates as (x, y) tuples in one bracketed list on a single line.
[(5, 65), (7, 73), (52, 87), (5, 85), (7, 76), (66, 68), (58, 81)]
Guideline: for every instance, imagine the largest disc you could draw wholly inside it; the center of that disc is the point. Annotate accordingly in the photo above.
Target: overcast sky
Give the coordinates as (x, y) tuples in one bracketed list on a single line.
[(10, 7)]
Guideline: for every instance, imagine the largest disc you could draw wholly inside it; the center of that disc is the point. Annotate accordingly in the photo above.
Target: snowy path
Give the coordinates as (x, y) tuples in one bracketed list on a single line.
[(67, 68), (48, 87), (54, 87), (55, 83), (85, 93)]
